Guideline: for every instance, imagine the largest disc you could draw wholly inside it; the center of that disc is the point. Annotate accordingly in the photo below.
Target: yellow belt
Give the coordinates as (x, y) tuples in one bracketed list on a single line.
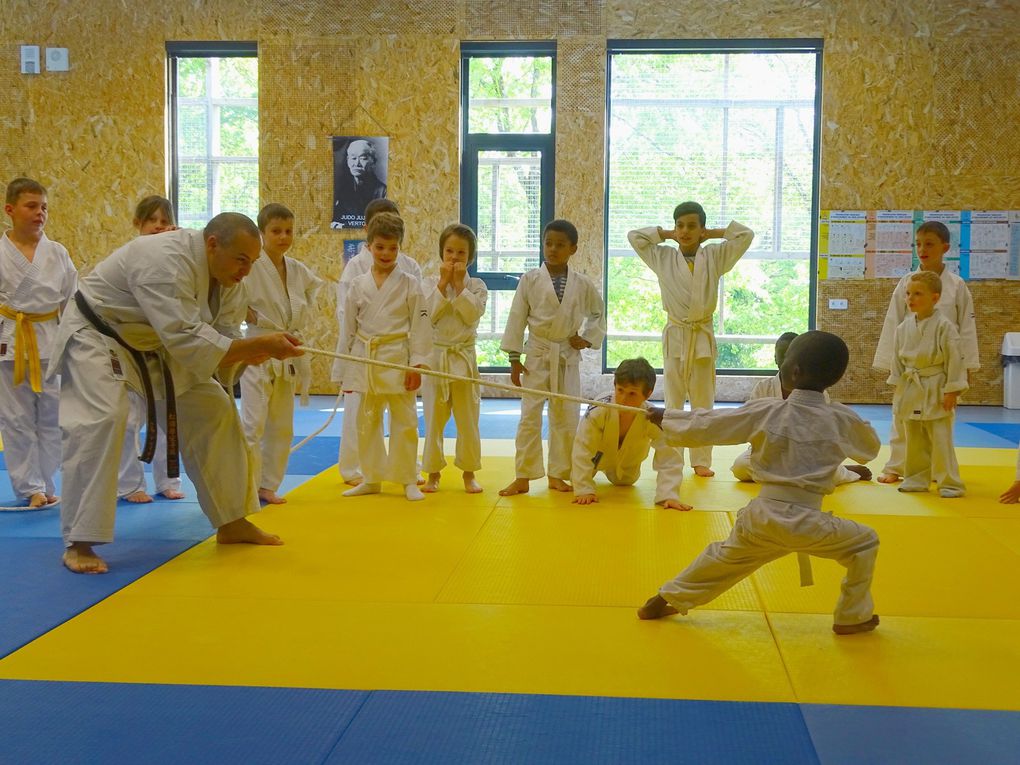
[(26, 346)]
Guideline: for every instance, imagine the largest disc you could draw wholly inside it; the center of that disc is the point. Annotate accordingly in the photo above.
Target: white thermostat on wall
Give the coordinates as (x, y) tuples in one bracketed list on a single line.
[(57, 60), (30, 59)]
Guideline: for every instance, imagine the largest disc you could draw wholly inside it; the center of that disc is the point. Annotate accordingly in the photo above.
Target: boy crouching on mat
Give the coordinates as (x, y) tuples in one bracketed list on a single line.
[(617, 442), (797, 444)]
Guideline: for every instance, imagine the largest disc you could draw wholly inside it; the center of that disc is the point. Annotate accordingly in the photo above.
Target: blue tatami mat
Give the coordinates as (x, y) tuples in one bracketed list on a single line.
[(403, 727), (846, 735), (32, 605), (45, 723), (1008, 431)]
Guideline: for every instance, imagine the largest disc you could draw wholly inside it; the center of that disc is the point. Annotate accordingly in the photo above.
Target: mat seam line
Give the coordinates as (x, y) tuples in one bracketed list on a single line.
[(464, 555), (347, 727)]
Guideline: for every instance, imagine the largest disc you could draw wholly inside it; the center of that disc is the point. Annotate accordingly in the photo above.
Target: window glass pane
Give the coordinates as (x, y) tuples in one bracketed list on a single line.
[(509, 210), (193, 192), (733, 131), (191, 130), (490, 329), (237, 78), (223, 92), (510, 95), (237, 186), (239, 131), (191, 77)]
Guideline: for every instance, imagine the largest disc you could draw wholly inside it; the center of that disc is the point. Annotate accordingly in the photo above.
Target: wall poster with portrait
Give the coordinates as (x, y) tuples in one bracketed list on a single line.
[(359, 176)]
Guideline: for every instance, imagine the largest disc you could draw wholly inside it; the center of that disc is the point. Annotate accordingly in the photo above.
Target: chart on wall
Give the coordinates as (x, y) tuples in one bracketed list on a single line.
[(879, 244)]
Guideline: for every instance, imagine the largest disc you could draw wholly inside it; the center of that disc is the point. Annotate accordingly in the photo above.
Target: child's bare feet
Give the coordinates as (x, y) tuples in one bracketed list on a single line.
[(704, 472), (52, 499), (656, 607), (471, 486), (558, 484), (172, 494), (888, 478), (81, 559), (363, 488), (271, 497), (432, 484), (853, 629), (861, 470), (138, 497), (516, 486), (356, 481), (413, 493), (243, 531), (37, 500)]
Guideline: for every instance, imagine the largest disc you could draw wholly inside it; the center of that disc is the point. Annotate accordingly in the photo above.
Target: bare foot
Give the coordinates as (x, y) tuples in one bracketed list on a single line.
[(888, 478), (172, 494), (656, 607), (81, 559), (432, 484), (363, 488), (52, 499), (271, 497), (413, 493), (558, 484), (516, 486), (243, 531), (37, 500), (420, 481), (861, 470), (138, 497), (356, 481), (853, 629), (704, 472), (471, 486)]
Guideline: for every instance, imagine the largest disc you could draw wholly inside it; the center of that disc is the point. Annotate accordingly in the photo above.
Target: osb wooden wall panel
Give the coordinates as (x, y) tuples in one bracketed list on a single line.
[(920, 104), (995, 304)]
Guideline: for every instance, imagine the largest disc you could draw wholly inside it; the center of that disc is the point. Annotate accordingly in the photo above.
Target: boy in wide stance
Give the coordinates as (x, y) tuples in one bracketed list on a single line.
[(797, 443)]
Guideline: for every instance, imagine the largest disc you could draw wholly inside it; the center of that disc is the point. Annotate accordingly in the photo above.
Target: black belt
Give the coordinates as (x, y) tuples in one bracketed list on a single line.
[(173, 463)]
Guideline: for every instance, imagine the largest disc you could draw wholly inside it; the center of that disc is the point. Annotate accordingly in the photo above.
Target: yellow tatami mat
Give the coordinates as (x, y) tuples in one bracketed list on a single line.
[(534, 594)]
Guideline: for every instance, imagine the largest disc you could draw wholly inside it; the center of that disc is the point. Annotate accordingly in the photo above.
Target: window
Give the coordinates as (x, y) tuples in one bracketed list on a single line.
[(214, 130), (508, 107), (734, 126)]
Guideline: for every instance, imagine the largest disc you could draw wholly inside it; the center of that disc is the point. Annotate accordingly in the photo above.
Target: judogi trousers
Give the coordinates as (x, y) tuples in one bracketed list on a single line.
[(267, 415), (93, 417), (700, 391), (767, 529), (399, 465), (563, 419), (31, 432), (349, 462), (466, 410), (132, 470), (930, 455)]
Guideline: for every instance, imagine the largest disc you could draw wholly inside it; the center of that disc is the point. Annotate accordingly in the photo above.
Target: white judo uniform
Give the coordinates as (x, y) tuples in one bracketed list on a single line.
[(598, 447), (957, 305), (551, 362), (267, 390), (388, 323), (349, 463), (797, 444), (928, 363), (154, 292), (772, 387), (689, 299), (36, 292), (455, 325)]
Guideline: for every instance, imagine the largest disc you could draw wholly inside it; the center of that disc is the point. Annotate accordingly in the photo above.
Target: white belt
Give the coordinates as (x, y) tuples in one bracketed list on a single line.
[(372, 345), (796, 496), (446, 350), (691, 328), (551, 348)]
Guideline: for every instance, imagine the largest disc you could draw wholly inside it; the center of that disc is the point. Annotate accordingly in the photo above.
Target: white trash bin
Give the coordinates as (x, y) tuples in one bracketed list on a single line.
[(1011, 370)]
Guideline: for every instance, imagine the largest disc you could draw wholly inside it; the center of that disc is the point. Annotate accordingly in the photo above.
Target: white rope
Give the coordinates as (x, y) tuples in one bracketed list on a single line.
[(476, 381), (306, 439), (27, 509)]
